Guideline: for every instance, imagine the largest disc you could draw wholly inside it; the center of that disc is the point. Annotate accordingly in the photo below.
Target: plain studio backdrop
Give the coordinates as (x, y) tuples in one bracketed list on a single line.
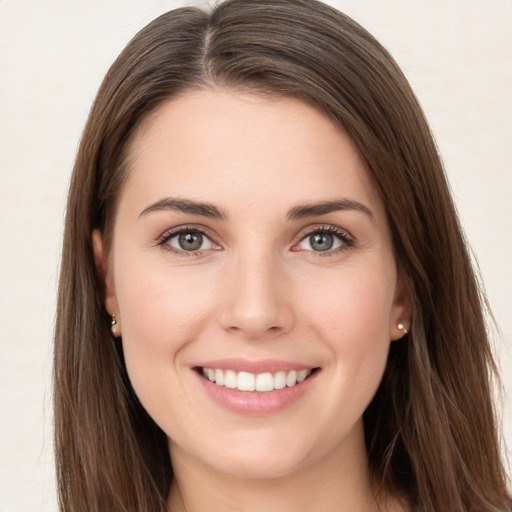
[(457, 55)]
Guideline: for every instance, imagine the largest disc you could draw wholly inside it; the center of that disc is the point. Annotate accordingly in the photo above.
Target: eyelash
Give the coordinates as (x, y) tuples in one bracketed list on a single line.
[(346, 240), (169, 235)]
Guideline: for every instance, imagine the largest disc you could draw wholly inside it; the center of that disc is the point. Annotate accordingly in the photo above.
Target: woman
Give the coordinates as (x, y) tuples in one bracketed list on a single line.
[(265, 292)]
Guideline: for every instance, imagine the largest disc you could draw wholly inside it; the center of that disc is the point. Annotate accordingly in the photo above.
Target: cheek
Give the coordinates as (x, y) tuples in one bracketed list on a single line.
[(353, 308), (352, 317), (161, 313), (156, 303)]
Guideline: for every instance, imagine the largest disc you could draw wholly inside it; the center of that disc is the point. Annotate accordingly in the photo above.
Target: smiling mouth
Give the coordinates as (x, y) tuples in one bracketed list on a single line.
[(262, 382)]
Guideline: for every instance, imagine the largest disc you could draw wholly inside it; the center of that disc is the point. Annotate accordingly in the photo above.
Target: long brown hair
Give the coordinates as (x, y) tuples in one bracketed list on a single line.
[(431, 432)]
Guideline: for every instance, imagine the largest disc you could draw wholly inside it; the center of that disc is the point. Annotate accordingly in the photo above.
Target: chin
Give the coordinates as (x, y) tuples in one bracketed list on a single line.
[(252, 460), (259, 467)]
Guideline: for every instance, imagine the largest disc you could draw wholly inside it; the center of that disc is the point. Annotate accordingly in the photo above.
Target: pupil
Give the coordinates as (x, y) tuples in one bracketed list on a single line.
[(321, 241), (190, 241)]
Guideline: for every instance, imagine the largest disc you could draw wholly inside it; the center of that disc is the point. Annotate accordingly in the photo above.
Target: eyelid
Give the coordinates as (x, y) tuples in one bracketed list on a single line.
[(342, 234), (172, 232), (346, 238)]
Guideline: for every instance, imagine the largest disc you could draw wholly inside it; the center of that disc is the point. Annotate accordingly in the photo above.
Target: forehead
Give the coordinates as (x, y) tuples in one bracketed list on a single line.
[(230, 147)]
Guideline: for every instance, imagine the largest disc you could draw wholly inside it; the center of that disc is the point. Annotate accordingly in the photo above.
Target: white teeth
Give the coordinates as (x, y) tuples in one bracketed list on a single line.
[(264, 382), (230, 380), (280, 380), (245, 381), (301, 375), (219, 377), (291, 378)]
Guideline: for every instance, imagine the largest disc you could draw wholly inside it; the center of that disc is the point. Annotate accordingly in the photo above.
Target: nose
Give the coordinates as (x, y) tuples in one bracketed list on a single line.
[(256, 302)]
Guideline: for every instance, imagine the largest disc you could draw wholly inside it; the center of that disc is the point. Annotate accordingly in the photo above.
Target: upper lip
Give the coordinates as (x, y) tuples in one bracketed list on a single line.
[(251, 366)]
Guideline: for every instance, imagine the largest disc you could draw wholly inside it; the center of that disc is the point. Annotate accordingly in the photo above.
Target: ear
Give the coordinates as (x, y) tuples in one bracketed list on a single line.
[(109, 295), (401, 311)]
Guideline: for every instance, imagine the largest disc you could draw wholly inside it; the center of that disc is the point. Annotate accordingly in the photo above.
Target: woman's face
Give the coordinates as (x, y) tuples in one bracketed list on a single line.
[(250, 251)]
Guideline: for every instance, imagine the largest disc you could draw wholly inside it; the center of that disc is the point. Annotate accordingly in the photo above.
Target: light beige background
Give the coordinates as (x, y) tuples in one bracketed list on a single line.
[(53, 55)]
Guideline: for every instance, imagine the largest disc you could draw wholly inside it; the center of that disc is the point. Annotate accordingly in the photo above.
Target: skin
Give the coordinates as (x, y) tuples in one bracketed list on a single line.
[(256, 290)]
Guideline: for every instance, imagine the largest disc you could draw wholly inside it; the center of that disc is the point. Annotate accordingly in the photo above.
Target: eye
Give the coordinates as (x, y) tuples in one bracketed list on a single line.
[(188, 240), (327, 239)]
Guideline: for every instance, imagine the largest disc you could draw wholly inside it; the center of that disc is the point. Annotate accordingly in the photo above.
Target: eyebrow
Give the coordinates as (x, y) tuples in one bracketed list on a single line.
[(312, 210), (298, 212), (185, 206)]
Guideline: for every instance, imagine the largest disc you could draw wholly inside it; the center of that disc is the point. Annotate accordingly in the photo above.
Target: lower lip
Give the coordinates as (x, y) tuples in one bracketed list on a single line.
[(256, 403)]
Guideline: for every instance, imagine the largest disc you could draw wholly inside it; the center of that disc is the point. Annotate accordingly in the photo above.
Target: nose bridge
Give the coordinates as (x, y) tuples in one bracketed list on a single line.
[(256, 302)]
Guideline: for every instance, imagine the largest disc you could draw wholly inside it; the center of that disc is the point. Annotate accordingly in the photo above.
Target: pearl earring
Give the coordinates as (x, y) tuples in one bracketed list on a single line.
[(113, 324), (401, 327)]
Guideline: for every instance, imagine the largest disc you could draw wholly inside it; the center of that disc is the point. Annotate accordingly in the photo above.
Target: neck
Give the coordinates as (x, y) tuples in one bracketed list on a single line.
[(338, 481)]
